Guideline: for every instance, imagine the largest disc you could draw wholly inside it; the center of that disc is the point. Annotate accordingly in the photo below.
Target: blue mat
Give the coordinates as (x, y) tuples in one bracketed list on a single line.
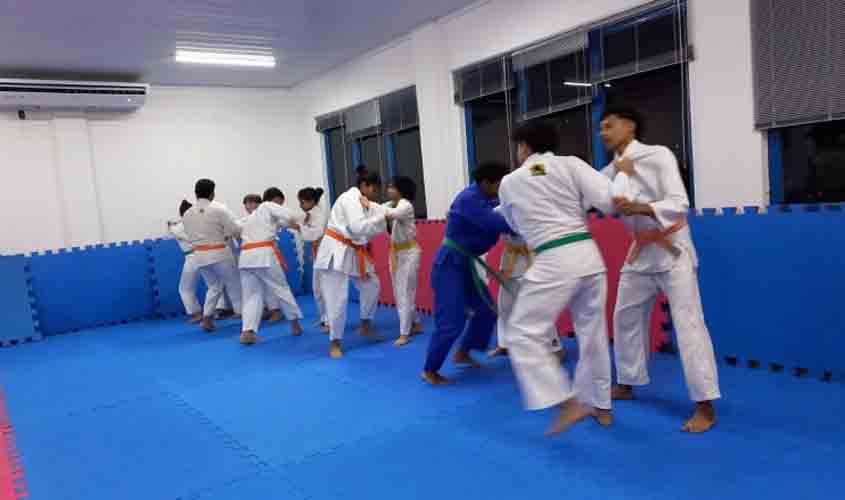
[(106, 274), (158, 409), (772, 287), (16, 315)]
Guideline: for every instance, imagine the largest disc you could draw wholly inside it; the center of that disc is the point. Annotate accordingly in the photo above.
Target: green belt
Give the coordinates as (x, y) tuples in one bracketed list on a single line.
[(566, 240), (187, 252), (480, 286)]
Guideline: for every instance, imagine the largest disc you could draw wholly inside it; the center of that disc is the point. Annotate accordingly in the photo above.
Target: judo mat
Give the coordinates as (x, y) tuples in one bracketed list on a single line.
[(159, 410)]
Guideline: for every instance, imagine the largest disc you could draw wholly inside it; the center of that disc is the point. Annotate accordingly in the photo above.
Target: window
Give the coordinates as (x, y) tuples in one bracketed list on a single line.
[(637, 59), (336, 157), (382, 134), (813, 163), (489, 132), (409, 163)]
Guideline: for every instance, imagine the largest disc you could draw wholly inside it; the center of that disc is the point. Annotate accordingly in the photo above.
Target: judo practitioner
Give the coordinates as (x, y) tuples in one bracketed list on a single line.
[(404, 255), (312, 229), (344, 255), (516, 259), (262, 265), (661, 259), (190, 273), (472, 229), (207, 225), (546, 202)]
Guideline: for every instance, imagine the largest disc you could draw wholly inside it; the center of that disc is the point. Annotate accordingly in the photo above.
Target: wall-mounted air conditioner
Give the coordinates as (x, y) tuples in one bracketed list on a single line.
[(58, 95)]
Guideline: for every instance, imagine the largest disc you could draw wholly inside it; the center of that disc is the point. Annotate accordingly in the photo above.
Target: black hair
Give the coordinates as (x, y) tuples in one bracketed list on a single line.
[(630, 114), (540, 136), (311, 194), (273, 193), (367, 177), (492, 171), (204, 189), (252, 198), (406, 187), (184, 207)]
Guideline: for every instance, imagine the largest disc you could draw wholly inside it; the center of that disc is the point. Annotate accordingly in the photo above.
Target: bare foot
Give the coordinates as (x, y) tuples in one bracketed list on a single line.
[(335, 350), (324, 327), (275, 316), (571, 412), (248, 337), (195, 318), (296, 328), (417, 329), (463, 358), (702, 420), (402, 340), (434, 378), (207, 324), (622, 392), (366, 329), (604, 417), (499, 351)]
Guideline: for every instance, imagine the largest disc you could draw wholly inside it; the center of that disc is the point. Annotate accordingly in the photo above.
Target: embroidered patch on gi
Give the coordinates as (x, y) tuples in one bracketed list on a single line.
[(537, 169)]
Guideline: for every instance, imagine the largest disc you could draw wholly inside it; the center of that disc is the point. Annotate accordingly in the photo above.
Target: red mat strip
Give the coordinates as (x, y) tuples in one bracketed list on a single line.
[(611, 235), (12, 486)]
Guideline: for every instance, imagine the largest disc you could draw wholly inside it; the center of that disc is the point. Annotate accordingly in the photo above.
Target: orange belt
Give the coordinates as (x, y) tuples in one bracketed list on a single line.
[(512, 253), (210, 247), (361, 251), (656, 237), (268, 244), (395, 248)]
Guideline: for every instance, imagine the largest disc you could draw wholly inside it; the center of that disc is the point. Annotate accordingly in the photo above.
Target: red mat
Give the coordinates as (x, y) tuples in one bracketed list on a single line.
[(12, 486), (610, 234)]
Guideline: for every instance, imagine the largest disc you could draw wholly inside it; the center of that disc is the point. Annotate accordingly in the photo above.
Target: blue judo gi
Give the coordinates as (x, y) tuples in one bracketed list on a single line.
[(472, 227)]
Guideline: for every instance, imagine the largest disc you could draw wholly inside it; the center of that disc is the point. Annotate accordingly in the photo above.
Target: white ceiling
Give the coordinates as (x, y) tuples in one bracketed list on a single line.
[(134, 40)]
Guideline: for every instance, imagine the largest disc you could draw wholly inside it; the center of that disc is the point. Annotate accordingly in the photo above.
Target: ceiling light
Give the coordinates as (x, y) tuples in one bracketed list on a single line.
[(224, 59), (577, 84)]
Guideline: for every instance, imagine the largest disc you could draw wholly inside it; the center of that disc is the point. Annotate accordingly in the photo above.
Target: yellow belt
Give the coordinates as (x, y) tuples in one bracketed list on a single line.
[(512, 253), (395, 248)]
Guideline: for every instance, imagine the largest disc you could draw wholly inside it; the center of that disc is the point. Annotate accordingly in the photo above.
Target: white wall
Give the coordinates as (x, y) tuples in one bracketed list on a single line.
[(728, 153), (75, 180)]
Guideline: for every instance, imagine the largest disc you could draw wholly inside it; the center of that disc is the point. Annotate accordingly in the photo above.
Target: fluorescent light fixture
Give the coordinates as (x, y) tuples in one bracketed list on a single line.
[(224, 59), (577, 84)]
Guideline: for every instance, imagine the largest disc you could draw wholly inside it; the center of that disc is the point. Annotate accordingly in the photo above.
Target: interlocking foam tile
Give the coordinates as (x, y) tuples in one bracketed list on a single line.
[(154, 449), (493, 449), (46, 385), (772, 286), (272, 483), (167, 269), (16, 314), (86, 288)]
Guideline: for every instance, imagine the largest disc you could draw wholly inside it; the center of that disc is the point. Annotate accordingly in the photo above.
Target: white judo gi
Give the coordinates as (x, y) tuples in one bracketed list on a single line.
[(262, 276), (343, 256), (312, 232), (272, 302), (405, 257), (664, 260), (207, 225), (190, 273), (516, 259), (545, 201)]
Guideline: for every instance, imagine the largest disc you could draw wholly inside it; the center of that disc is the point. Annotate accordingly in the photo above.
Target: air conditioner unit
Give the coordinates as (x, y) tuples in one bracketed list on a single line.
[(58, 95)]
